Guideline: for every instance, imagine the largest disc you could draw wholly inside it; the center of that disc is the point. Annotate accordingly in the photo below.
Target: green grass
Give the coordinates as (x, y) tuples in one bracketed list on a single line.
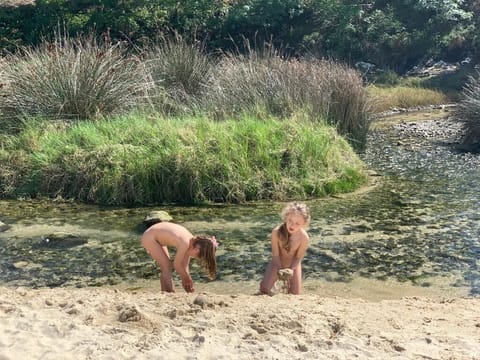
[(136, 160)]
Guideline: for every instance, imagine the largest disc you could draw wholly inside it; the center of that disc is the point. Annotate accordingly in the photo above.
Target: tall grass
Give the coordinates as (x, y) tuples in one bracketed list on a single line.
[(278, 138), (81, 79), (348, 106), (269, 84), (179, 72), (3, 83), (71, 79), (132, 160), (468, 112)]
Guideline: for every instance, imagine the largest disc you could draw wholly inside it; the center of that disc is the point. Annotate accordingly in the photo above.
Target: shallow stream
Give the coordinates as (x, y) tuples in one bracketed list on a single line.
[(419, 226)]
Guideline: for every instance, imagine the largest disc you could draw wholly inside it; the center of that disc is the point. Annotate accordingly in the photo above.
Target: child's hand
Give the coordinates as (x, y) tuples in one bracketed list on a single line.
[(187, 284)]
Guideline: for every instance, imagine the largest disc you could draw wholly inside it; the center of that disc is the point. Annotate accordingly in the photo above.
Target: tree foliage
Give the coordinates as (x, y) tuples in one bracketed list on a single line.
[(394, 34)]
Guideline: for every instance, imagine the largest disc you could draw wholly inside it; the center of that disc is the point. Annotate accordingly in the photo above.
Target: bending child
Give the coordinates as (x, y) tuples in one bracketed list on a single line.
[(289, 245), (158, 237)]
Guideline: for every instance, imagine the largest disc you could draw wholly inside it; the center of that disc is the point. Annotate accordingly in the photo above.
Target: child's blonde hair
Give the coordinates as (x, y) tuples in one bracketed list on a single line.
[(289, 209), (207, 246)]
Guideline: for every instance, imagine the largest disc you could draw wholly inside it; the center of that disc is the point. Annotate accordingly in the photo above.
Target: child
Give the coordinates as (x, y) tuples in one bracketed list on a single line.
[(158, 237), (289, 244)]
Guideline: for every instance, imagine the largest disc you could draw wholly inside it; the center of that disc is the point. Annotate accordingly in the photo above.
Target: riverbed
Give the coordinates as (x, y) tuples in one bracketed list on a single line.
[(414, 231)]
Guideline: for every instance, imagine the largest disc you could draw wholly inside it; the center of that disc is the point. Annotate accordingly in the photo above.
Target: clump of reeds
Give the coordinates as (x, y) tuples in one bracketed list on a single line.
[(71, 79), (179, 71), (267, 83), (468, 112), (278, 138)]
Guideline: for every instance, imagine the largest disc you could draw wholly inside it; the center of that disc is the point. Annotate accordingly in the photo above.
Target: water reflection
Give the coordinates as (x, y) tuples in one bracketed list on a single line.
[(420, 224)]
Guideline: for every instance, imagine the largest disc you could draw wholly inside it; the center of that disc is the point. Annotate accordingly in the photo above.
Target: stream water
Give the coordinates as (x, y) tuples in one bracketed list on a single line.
[(417, 229)]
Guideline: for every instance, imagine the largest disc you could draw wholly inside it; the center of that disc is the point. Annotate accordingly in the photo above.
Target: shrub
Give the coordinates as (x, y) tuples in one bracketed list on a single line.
[(179, 72), (71, 79), (468, 112), (386, 77)]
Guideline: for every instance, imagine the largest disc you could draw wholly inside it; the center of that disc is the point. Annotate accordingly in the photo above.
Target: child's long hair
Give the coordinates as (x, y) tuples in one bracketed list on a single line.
[(290, 209), (206, 255)]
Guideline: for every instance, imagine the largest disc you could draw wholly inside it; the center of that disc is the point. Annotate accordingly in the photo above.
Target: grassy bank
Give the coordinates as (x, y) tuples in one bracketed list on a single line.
[(90, 148), (137, 160)]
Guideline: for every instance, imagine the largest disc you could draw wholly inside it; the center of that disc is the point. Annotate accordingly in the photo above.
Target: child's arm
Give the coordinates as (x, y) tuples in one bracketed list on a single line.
[(181, 266), (277, 264)]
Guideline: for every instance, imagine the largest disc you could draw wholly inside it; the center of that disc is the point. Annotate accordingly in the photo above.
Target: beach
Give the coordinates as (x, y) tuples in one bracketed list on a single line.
[(120, 322)]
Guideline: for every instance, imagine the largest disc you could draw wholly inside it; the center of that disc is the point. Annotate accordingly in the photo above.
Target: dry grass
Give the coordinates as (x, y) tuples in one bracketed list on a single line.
[(323, 89), (468, 111), (388, 98)]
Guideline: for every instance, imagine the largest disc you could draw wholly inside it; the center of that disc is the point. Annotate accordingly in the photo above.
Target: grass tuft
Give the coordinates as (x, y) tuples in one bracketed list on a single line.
[(71, 79), (468, 112)]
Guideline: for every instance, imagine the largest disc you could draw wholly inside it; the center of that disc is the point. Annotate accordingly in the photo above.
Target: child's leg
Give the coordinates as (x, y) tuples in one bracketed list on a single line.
[(166, 278), (269, 280), (160, 254), (296, 280)]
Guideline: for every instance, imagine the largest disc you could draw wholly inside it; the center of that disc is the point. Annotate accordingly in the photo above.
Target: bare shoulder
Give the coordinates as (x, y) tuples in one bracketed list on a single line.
[(304, 235)]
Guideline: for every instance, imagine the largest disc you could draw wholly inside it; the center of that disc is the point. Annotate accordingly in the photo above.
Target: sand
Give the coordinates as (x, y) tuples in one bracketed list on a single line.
[(143, 323)]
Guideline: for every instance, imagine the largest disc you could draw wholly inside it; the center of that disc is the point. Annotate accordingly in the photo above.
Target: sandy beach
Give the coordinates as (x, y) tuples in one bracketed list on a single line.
[(143, 323)]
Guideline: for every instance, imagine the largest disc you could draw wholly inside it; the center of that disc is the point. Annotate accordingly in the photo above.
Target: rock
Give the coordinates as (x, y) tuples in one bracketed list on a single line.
[(20, 264), (201, 300), (156, 216), (364, 66), (63, 240), (129, 313), (4, 227)]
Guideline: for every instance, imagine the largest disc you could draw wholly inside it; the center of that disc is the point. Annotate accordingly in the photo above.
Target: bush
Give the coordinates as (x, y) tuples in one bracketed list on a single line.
[(468, 112), (179, 72), (71, 79), (386, 77)]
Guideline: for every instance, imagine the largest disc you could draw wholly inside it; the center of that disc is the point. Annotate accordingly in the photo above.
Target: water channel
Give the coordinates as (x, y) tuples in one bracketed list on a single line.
[(415, 232)]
